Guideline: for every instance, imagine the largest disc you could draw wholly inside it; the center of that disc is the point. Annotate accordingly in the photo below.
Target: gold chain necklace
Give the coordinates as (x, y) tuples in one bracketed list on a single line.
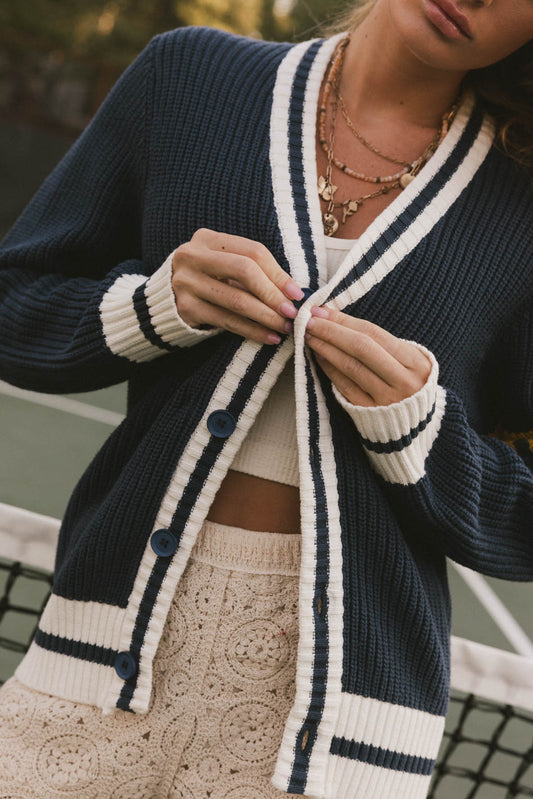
[(401, 179)]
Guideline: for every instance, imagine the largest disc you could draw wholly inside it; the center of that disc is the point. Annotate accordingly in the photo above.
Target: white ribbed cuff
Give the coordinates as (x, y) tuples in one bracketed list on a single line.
[(136, 335), (164, 313), (399, 437)]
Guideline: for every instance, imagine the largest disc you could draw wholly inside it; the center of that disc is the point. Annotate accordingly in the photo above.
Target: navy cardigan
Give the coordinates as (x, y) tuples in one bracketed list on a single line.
[(207, 129)]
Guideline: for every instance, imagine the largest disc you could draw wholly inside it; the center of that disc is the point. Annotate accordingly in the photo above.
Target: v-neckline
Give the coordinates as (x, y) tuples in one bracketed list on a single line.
[(401, 201), (295, 173)]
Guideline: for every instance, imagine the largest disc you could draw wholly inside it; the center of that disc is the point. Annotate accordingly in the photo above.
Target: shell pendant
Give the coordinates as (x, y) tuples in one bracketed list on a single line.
[(331, 224), (406, 179)]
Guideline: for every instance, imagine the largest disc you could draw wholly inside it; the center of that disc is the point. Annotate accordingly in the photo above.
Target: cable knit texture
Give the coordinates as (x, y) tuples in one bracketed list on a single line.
[(207, 129)]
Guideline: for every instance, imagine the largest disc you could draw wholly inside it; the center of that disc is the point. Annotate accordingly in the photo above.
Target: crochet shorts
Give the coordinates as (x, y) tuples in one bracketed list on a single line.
[(224, 682)]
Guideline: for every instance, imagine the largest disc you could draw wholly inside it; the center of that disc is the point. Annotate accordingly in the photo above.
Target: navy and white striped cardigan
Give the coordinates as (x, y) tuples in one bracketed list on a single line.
[(206, 129)]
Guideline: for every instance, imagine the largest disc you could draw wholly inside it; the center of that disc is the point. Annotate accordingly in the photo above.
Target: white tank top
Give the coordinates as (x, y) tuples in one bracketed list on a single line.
[(270, 449)]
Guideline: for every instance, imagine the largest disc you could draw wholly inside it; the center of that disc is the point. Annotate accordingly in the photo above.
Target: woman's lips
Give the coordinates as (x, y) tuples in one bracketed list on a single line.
[(448, 19)]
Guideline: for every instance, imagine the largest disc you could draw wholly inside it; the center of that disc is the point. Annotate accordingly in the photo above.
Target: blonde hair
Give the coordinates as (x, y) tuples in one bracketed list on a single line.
[(505, 89)]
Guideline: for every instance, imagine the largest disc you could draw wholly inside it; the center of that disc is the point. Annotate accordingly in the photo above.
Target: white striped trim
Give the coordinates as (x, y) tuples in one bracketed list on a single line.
[(89, 622), (197, 442), (76, 679), (288, 223), (424, 222), (389, 726), (164, 314), (388, 423), (279, 163), (64, 676), (120, 324), (309, 118), (351, 779), (408, 466), (304, 672)]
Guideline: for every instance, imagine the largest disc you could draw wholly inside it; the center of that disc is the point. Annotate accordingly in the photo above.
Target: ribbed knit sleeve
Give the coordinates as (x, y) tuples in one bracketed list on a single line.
[(79, 307), (470, 493)]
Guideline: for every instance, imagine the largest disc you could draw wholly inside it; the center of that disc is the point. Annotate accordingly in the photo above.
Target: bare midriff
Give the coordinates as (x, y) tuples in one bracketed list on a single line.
[(254, 503)]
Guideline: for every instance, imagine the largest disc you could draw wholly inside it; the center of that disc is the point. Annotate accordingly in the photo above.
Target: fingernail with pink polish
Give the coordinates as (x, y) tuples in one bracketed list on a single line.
[(321, 312), (273, 338), (288, 327), (288, 309), (294, 291)]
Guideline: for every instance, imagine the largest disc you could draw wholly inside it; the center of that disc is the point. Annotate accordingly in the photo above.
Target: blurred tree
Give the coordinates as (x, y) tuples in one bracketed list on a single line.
[(304, 18), (59, 58)]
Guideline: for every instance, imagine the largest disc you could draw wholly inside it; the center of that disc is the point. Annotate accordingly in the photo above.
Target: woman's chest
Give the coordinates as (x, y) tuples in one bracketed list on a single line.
[(358, 201)]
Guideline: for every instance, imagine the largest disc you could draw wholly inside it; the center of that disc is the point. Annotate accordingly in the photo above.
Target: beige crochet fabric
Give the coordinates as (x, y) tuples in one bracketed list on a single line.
[(223, 686)]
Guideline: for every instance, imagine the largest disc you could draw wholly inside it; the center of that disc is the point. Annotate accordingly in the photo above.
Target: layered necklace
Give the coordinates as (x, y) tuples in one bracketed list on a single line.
[(399, 180)]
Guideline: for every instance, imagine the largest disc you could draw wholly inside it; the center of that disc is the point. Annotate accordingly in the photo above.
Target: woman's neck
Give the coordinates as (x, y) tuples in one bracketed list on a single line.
[(382, 80)]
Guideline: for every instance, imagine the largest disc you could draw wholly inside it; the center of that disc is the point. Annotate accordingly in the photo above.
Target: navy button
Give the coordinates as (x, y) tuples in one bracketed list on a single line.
[(164, 543), (307, 293), (125, 665), (221, 423)]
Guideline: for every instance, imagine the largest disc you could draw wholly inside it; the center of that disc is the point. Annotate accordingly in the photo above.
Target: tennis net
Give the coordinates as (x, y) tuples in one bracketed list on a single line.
[(487, 749)]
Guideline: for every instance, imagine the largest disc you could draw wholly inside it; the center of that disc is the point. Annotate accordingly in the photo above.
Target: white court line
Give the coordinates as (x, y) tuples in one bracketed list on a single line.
[(501, 616), (64, 404)]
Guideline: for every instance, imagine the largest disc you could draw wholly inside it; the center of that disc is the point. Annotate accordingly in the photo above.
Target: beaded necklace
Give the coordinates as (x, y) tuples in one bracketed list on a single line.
[(400, 179)]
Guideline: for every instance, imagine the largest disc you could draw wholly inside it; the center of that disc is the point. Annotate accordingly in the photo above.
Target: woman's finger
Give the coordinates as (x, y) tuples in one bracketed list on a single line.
[(257, 252), (403, 351), (354, 371), (351, 391), (194, 265), (239, 301), (220, 317), (353, 344)]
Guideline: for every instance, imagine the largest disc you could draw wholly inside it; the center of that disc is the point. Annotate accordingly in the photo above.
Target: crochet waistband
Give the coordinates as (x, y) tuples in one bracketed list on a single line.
[(251, 551)]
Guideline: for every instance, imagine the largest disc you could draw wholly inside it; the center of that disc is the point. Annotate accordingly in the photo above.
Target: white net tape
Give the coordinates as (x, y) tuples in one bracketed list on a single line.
[(28, 537)]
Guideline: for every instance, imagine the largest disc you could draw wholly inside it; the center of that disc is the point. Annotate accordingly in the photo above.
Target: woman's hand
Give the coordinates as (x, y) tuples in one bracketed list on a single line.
[(368, 365), (235, 283)]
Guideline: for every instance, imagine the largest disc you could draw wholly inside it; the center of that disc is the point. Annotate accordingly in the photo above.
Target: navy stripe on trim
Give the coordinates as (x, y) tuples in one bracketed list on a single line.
[(189, 497), (214, 446), (308, 732), (400, 443), (386, 758), (416, 207), (76, 649), (144, 614), (145, 321), (296, 166)]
